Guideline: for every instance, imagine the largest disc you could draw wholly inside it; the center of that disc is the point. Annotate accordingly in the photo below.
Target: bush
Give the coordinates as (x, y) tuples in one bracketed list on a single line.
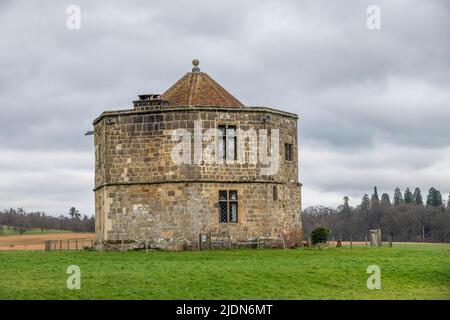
[(319, 235)]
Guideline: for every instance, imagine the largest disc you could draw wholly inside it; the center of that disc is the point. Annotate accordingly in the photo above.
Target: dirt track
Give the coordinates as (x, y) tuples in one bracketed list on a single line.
[(37, 241)]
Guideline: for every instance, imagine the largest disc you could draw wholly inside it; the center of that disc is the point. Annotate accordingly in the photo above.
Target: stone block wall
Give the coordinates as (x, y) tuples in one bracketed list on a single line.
[(141, 194), (172, 215)]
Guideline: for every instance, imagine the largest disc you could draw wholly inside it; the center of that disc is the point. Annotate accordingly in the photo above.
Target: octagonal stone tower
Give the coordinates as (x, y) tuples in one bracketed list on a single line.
[(192, 161)]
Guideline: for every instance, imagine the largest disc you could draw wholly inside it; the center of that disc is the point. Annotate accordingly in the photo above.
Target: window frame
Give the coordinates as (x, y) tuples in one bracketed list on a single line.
[(225, 138), (228, 202), (288, 152)]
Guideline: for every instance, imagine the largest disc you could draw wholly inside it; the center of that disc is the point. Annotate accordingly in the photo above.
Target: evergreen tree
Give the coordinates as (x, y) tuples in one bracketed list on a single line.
[(346, 205), (375, 194), (365, 202), (439, 201), (417, 197), (385, 200), (448, 202), (375, 200), (398, 199), (434, 198), (408, 196)]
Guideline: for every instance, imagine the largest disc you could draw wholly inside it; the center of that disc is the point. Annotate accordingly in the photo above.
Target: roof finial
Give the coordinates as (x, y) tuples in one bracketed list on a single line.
[(195, 62)]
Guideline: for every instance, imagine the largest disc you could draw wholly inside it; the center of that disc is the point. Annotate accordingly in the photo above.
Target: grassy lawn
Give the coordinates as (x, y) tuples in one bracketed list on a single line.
[(407, 272), (7, 231)]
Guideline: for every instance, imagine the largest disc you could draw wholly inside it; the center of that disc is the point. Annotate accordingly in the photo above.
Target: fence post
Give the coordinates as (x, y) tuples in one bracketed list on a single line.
[(199, 242), (82, 244), (60, 245), (351, 242), (366, 240), (146, 246), (209, 241)]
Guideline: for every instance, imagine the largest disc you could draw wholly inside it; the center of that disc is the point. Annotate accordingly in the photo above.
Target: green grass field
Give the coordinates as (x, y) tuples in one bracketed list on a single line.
[(8, 231), (418, 271)]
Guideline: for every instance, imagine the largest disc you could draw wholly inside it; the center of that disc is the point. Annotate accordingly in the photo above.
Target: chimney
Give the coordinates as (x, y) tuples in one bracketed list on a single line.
[(149, 101)]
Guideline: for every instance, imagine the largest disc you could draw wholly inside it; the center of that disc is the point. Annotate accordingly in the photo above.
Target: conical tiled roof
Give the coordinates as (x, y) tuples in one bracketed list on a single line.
[(199, 89)]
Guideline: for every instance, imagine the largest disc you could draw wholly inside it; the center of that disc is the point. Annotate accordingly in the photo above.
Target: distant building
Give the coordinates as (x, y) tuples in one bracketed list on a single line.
[(155, 183)]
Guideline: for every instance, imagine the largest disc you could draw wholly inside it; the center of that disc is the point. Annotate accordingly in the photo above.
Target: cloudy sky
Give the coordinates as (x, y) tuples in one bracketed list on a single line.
[(374, 105)]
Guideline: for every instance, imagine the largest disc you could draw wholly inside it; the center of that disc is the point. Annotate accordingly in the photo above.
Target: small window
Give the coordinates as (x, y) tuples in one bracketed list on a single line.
[(288, 152), (275, 193), (223, 196), (228, 206), (227, 142), (98, 155), (222, 141)]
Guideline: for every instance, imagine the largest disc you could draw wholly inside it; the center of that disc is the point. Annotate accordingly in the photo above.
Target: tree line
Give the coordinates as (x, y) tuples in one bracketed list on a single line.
[(21, 221), (408, 217)]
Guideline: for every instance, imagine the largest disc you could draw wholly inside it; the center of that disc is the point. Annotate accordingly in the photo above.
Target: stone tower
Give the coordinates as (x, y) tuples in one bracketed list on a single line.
[(192, 161)]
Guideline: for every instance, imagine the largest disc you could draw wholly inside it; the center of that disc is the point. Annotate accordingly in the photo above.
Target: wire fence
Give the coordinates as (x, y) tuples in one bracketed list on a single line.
[(68, 244)]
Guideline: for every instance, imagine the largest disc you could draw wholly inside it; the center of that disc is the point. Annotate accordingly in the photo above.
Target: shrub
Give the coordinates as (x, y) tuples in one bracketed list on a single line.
[(319, 235)]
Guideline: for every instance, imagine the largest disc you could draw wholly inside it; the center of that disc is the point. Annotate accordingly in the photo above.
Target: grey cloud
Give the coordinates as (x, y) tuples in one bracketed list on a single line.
[(355, 90), (385, 166)]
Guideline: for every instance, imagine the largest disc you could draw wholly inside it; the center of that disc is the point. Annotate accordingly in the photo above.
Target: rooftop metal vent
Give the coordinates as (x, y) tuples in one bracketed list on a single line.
[(149, 101), (152, 97)]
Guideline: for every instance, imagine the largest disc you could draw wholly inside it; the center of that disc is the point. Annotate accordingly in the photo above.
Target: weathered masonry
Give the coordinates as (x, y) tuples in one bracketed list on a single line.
[(143, 195)]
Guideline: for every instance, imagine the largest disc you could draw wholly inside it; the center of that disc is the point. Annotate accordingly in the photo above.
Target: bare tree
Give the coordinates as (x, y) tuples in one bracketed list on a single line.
[(405, 221)]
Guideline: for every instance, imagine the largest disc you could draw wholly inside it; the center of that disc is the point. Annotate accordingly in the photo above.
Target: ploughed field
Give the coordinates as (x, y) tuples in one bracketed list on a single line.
[(408, 271), (36, 241)]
